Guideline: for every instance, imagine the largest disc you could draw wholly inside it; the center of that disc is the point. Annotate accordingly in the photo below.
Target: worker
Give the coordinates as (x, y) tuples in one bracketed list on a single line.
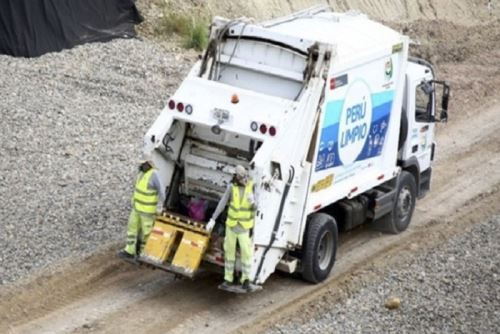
[(148, 190), (240, 194)]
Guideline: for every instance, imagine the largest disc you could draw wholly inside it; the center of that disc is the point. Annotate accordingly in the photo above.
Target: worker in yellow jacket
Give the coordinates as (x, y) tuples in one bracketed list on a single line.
[(148, 191), (240, 220)]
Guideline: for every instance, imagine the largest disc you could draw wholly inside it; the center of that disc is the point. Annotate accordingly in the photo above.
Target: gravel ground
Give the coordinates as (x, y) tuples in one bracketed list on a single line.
[(70, 137), (452, 289)]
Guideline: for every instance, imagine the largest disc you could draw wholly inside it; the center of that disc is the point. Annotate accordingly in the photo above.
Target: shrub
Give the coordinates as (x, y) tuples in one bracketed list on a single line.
[(197, 37), (173, 23), (192, 30)]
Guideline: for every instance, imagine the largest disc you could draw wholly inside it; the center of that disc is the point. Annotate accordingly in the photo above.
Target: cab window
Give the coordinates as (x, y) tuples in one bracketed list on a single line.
[(423, 104)]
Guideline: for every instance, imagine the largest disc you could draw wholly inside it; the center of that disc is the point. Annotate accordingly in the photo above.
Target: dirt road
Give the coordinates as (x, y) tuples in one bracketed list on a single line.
[(104, 295)]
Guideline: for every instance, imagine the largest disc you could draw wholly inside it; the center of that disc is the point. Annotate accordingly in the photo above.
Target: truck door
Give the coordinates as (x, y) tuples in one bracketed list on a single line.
[(421, 121)]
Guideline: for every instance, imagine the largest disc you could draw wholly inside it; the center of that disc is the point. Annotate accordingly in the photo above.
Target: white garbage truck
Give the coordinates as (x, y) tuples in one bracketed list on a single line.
[(333, 120)]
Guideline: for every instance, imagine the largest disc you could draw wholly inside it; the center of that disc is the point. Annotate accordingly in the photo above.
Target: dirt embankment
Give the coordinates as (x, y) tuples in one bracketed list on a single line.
[(460, 37), (461, 11), (467, 57)]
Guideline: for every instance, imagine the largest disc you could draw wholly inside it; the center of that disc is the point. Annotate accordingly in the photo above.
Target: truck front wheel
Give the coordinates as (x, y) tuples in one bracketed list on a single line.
[(398, 220), (320, 247), (405, 202)]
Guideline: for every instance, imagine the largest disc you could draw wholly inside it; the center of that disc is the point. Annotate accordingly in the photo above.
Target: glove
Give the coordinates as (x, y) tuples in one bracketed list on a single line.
[(210, 225)]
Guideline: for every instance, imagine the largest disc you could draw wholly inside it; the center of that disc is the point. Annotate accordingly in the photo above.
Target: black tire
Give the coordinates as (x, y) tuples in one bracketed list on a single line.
[(320, 247), (400, 217)]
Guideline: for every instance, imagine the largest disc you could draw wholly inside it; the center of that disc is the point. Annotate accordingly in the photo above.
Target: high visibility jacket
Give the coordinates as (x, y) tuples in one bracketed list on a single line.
[(240, 210), (145, 200)]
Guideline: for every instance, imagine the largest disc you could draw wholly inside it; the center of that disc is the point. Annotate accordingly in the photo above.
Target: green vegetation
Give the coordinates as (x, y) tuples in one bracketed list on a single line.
[(192, 29), (198, 36)]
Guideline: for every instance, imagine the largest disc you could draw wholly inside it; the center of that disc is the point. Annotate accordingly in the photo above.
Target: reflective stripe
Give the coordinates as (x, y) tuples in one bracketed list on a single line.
[(145, 210), (146, 203), (236, 216), (241, 209), (147, 193), (239, 219), (145, 199)]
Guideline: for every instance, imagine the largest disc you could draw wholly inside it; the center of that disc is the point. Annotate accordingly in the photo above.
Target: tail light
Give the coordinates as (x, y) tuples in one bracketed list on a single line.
[(171, 104), (263, 129), (254, 126)]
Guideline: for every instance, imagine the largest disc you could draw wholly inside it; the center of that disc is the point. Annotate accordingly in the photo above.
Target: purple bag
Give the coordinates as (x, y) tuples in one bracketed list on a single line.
[(197, 208)]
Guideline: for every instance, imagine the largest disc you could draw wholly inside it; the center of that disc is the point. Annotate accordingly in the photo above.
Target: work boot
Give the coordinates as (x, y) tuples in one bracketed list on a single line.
[(225, 285), (246, 285), (125, 255)]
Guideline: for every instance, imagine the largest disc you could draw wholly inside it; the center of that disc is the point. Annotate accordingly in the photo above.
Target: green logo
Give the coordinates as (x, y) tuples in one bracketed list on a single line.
[(388, 69)]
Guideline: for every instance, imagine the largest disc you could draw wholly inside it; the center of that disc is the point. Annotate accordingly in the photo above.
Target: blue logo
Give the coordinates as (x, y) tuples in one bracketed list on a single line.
[(355, 128)]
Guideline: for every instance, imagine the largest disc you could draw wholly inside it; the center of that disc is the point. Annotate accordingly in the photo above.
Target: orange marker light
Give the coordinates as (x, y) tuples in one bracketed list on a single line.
[(235, 99)]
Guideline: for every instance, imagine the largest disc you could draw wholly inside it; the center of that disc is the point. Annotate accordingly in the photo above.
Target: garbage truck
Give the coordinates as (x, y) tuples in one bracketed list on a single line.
[(333, 120)]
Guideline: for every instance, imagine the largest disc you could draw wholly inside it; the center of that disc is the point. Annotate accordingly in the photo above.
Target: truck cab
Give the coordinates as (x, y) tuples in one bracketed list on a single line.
[(421, 112)]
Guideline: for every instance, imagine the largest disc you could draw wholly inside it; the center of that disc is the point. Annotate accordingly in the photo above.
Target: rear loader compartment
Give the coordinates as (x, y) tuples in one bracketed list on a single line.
[(201, 169)]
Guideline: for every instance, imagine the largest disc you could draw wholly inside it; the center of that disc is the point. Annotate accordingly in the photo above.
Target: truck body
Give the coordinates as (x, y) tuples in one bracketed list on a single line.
[(332, 118)]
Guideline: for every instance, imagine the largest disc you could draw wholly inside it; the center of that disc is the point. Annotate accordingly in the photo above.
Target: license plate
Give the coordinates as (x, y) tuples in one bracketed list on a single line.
[(221, 115)]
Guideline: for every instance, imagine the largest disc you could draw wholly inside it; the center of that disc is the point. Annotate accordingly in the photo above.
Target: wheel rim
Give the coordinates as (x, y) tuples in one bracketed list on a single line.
[(404, 203), (325, 250)]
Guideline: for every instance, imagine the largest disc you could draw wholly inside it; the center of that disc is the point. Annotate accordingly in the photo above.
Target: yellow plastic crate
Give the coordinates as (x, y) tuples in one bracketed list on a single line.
[(176, 244), (190, 252), (160, 242)]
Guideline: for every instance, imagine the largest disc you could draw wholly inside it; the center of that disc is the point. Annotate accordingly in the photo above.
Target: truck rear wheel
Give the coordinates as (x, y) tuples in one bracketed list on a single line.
[(320, 248), (398, 220)]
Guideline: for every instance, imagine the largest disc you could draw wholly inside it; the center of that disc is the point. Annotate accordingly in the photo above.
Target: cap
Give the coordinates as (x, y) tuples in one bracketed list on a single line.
[(147, 157), (240, 171)]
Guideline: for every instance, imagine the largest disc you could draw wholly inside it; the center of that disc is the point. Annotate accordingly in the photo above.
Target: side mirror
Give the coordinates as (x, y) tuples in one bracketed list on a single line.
[(443, 116), (445, 99), (427, 87)]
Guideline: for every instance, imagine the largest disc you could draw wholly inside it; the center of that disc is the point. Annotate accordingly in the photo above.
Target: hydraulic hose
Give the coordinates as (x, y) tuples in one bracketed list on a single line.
[(276, 222)]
